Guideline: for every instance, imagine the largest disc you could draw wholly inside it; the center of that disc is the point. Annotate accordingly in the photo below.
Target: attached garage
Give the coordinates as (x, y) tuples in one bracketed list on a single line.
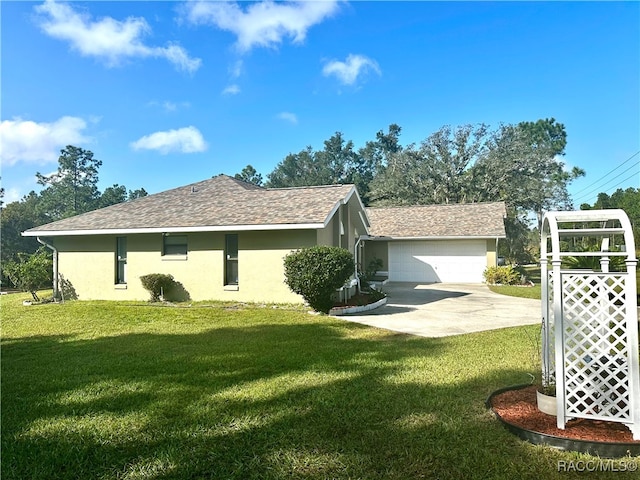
[(435, 243), (431, 261)]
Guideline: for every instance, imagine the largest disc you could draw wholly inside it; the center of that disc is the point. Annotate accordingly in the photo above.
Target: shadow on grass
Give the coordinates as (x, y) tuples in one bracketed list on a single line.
[(266, 401)]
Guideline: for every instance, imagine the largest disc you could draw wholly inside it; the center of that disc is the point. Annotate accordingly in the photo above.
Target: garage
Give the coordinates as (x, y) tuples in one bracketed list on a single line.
[(451, 243), (432, 261)]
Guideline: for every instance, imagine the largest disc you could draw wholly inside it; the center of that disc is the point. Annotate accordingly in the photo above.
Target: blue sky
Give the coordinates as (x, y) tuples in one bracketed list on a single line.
[(169, 93)]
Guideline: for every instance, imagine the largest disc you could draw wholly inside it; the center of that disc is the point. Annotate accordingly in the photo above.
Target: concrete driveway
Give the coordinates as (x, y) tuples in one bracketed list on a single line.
[(442, 309)]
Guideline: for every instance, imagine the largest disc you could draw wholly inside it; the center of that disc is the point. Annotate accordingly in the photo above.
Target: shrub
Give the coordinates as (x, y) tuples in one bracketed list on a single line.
[(369, 273), (506, 275), (317, 272), (157, 284), (31, 272)]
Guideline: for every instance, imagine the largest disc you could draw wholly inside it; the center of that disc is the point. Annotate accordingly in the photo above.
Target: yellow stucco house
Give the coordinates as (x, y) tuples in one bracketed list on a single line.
[(225, 239)]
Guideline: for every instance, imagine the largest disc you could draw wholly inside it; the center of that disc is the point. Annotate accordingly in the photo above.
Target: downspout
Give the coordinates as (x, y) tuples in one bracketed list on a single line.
[(355, 256), (55, 265)]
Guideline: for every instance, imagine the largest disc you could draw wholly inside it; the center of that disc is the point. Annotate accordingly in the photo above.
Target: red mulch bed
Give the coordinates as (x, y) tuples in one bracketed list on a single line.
[(519, 408), (356, 301)]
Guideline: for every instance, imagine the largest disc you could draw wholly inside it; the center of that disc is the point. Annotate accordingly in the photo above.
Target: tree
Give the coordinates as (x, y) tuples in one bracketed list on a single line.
[(15, 218), (118, 194), (249, 175), (373, 157), (297, 170), (523, 167), (138, 193), (436, 172), (112, 195), (31, 272), (317, 272), (73, 188), (335, 164), (627, 200)]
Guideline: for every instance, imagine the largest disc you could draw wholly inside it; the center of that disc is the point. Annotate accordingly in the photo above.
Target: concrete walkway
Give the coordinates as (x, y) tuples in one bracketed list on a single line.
[(443, 309)]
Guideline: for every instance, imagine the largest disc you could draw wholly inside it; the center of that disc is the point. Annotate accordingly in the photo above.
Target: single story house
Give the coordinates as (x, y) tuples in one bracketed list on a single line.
[(225, 239)]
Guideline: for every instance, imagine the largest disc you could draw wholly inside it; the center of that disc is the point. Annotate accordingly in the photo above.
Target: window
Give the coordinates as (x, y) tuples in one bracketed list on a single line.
[(231, 259), (121, 260), (174, 244)]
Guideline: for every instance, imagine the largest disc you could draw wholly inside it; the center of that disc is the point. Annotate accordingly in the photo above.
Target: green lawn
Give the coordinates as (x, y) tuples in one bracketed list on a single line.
[(104, 390), (533, 273)]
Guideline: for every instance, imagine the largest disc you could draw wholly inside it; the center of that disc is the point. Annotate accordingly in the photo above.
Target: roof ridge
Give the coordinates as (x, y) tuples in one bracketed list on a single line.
[(437, 205), (302, 187), (244, 183)]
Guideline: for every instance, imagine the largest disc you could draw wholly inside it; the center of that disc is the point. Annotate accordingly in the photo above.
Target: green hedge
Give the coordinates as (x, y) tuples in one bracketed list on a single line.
[(317, 272)]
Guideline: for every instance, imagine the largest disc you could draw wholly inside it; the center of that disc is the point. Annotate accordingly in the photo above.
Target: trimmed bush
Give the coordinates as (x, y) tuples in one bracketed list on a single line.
[(317, 272), (157, 284), (505, 275)]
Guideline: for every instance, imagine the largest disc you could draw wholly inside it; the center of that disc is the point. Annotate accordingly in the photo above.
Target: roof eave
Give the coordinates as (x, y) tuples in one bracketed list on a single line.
[(436, 237), (194, 229)]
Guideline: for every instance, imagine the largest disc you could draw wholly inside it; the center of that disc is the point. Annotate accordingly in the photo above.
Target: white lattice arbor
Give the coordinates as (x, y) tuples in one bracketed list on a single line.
[(590, 316)]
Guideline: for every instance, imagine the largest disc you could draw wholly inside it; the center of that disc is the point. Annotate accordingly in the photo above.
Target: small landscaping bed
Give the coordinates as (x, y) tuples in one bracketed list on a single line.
[(361, 302), (516, 408), (360, 299)]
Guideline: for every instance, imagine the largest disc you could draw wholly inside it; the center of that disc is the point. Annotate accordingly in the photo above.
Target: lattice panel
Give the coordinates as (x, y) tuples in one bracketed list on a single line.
[(596, 353)]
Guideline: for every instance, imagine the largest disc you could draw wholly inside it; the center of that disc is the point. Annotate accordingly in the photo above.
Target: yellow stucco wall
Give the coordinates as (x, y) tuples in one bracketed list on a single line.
[(492, 256), (87, 265), (325, 235)]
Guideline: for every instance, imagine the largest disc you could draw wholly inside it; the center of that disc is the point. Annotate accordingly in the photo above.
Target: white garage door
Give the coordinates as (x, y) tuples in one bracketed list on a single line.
[(457, 261)]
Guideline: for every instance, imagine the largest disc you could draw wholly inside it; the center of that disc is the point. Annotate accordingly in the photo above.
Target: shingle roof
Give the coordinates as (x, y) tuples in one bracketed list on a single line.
[(455, 220), (220, 201)]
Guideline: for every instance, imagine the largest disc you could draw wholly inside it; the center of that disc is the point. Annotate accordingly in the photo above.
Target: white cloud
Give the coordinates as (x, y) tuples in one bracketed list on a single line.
[(108, 39), (182, 140), (235, 70), (231, 90), (12, 195), (39, 143), (263, 24), (348, 71), (288, 117), (169, 106)]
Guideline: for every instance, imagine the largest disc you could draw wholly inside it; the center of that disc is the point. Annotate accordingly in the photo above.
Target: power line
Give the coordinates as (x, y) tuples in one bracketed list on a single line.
[(621, 182), (591, 192), (609, 173)]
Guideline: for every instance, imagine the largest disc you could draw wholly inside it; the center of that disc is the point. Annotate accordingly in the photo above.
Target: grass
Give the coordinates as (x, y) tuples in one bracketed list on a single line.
[(533, 274), (535, 292), (108, 390)]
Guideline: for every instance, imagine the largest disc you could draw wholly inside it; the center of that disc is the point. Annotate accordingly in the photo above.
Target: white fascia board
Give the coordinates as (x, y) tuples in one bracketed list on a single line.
[(467, 237), (362, 211), (132, 231), (331, 214), (365, 220)]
